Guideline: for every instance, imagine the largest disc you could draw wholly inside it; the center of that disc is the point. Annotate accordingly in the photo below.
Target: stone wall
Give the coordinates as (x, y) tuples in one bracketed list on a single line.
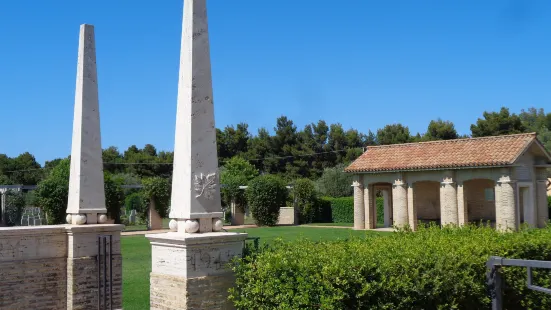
[(287, 216), (478, 207), (427, 200), (200, 293), (54, 267), (33, 268)]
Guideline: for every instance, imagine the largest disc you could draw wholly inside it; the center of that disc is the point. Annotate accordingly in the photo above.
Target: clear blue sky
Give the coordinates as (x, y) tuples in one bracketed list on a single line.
[(362, 63)]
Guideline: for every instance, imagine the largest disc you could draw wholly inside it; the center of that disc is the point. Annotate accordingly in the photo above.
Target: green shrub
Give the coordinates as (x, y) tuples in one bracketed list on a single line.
[(114, 197), (15, 203), (158, 190), (342, 210), (52, 193), (433, 268), (137, 201), (266, 194), (305, 196), (380, 203), (322, 210)]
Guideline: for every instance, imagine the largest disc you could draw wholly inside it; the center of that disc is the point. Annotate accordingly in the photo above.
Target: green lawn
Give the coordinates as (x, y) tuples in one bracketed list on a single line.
[(136, 253), (331, 224), (144, 227)]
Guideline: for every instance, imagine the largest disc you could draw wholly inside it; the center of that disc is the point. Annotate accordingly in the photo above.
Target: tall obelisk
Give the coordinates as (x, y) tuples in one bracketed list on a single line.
[(192, 259), (196, 201), (86, 203)]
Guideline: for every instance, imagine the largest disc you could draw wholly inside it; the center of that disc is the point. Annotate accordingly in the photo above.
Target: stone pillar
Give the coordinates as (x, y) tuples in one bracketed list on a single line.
[(400, 204), (237, 215), (3, 205), (462, 215), (359, 205), (541, 203), (386, 208), (86, 186), (369, 206), (448, 203), (82, 266), (86, 202), (507, 211), (155, 220), (412, 209), (189, 264)]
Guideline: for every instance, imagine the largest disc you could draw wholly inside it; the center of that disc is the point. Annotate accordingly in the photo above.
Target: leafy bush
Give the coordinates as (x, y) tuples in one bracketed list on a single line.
[(137, 201), (158, 190), (380, 203), (433, 268), (305, 196), (341, 210), (235, 173), (266, 194), (334, 182), (114, 197), (15, 203), (52, 193)]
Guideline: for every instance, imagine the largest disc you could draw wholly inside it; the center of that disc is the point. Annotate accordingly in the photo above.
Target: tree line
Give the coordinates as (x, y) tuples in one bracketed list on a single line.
[(289, 151)]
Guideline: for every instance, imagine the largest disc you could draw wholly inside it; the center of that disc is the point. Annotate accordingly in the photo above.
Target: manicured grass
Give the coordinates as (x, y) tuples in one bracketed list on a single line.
[(144, 227), (136, 254), (331, 224)]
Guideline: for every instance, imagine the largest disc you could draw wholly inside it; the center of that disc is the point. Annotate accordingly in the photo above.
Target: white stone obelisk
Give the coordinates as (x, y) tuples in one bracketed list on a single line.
[(86, 203), (196, 201), (189, 265)]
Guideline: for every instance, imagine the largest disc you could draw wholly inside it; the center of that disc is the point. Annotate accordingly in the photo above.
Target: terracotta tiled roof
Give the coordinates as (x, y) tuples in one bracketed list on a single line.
[(460, 153)]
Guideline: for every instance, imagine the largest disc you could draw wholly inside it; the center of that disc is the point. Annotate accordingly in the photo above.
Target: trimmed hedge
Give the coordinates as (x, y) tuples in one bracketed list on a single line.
[(341, 210), (433, 268)]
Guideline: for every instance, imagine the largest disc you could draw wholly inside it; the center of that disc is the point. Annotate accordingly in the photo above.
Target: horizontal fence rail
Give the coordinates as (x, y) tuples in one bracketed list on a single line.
[(495, 281)]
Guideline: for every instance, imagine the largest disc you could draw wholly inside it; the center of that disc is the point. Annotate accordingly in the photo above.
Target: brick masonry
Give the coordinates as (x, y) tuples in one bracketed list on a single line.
[(210, 292), (54, 267), (33, 284), (82, 283), (427, 200)]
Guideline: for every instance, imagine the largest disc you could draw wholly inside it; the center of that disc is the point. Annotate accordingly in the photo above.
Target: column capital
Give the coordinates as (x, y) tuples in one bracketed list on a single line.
[(506, 181)]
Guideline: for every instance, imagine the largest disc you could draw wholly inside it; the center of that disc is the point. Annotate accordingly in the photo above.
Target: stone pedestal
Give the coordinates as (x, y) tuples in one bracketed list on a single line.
[(155, 220), (189, 271), (237, 215), (84, 268)]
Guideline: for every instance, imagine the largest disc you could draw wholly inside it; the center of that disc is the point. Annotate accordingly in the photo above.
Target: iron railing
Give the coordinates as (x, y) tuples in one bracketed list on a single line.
[(495, 281)]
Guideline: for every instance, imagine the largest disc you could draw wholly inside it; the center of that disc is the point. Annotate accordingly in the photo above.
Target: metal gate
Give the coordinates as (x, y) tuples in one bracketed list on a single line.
[(104, 264), (495, 283)]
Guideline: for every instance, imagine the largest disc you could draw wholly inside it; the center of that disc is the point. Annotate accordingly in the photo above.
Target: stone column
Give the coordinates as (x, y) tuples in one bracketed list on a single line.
[(507, 211), (359, 205), (541, 203), (86, 203), (189, 264), (237, 215), (462, 215), (412, 209), (448, 203), (386, 208), (86, 186), (369, 206), (155, 220), (3, 205), (400, 204)]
